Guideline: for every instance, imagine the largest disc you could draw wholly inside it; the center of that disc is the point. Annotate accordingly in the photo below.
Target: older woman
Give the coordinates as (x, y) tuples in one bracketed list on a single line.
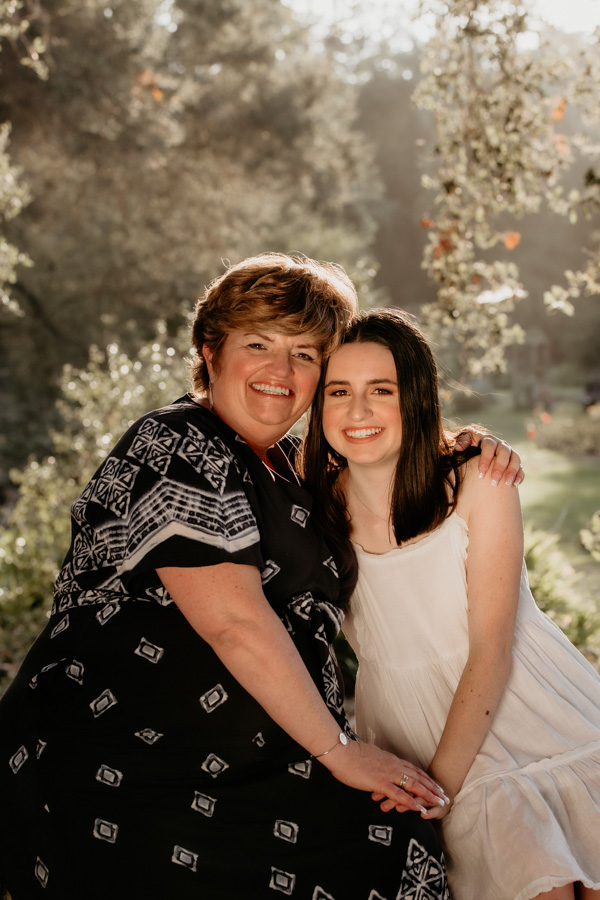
[(177, 730)]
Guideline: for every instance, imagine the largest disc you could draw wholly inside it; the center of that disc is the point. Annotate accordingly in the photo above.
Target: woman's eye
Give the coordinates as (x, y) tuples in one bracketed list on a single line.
[(307, 357), (382, 391), (340, 392), (255, 345)]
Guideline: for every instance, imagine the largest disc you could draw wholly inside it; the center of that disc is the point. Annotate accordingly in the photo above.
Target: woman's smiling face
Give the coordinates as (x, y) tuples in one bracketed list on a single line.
[(263, 382), (361, 407)]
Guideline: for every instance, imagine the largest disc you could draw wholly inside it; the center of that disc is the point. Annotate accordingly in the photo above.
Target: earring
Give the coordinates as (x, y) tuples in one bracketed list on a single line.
[(210, 395)]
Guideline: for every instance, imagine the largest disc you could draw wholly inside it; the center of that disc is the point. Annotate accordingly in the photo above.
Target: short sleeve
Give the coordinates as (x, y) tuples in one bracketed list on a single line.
[(172, 493)]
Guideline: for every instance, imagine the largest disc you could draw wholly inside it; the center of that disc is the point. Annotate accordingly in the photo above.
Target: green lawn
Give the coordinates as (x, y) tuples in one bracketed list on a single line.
[(560, 492)]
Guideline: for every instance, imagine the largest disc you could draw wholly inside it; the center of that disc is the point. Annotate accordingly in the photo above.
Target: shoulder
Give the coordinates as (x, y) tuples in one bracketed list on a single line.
[(184, 418), (477, 495)]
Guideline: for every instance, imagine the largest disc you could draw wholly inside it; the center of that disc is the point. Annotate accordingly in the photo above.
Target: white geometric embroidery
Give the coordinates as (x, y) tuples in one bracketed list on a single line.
[(48, 667), (302, 605), (333, 616), (258, 739), (148, 735), (172, 509), (111, 777), (211, 458), (270, 570), (299, 515), (184, 857), (78, 508), (41, 872), (40, 747), (282, 881), (214, 765), (62, 626), (423, 876), (112, 488), (302, 768), (204, 804), (34, 682), (320, 894), (287, 831), (105, 831), (149, 651), (330, 563), (18, 759), (154, 444), (160, 595), (75, 671), (102, 703), (88, 552), (107, 612), (381, 834), (321, 634), (333, 695), (213, 698)]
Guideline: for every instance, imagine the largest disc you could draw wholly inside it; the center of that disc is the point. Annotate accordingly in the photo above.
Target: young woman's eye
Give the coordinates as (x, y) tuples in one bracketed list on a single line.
[(382, 391), (339, 392)]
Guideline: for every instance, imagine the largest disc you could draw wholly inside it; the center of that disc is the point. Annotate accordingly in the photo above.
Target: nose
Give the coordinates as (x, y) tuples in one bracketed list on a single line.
[(280, 363), (360, 408)]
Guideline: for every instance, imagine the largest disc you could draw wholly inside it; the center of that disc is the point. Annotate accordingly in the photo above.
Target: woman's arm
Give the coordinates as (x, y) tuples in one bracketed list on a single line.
[(225, 604), (494, 562)]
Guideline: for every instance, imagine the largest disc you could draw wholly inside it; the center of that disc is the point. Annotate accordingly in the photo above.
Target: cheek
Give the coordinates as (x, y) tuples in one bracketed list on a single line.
[(328, 425)]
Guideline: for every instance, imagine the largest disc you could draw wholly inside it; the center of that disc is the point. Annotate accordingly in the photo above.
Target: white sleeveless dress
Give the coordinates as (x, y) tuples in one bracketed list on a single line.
[(528, 815)]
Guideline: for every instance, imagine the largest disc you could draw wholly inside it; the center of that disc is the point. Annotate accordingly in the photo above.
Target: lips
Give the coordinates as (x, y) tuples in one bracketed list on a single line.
[(362, 432), (271, 389)]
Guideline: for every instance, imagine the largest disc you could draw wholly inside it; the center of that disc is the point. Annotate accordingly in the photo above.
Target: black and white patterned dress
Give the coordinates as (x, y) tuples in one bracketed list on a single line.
[(132, 764)]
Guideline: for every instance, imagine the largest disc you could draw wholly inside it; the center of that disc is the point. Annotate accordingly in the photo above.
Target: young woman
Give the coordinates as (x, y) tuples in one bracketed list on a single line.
[(458, 669)]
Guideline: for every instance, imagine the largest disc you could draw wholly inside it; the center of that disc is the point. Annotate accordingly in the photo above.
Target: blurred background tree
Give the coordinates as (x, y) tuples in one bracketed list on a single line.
[(455, 174)]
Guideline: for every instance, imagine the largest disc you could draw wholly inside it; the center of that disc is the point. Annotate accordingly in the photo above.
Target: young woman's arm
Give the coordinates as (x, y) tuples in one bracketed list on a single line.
[(225, 604), (494, 561)]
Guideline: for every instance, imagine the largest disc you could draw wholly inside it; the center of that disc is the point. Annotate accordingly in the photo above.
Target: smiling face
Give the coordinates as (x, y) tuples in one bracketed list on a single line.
[(262, 382), (361, 405)]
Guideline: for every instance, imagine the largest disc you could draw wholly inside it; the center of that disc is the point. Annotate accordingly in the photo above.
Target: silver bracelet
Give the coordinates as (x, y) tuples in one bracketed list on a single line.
[(341, 739)]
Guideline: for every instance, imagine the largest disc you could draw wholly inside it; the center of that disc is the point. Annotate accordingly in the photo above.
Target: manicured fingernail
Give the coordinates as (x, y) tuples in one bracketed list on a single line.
[(441, 801), (494, 482), (481, 475), (422, 808), (509, 481)]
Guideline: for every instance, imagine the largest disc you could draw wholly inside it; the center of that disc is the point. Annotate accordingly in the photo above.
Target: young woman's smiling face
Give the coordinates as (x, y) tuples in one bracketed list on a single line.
[(361, 407), (263, 382)]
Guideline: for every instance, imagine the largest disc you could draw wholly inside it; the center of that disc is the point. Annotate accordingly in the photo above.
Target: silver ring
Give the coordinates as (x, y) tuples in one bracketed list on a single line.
[(403, 780)]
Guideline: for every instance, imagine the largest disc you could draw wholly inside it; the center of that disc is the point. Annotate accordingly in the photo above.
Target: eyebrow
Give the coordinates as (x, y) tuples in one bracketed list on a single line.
[(370, 381), (265, 337)]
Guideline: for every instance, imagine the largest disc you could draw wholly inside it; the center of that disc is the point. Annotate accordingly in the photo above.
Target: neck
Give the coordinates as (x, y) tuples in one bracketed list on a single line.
[(372, 487)]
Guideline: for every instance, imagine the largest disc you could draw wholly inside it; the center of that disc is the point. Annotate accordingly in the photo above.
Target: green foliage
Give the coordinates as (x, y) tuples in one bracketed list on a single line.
[(14, 194), (169, 137), (590, 537), (499, 153), (570, 430), (552, 583), (97, 405)]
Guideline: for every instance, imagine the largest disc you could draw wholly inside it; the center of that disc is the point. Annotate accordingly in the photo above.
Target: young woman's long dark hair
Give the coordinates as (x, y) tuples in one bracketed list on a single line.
[(427, 476)]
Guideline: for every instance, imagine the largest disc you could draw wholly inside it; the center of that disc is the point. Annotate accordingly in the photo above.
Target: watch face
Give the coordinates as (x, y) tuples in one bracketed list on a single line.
[(343, 738)]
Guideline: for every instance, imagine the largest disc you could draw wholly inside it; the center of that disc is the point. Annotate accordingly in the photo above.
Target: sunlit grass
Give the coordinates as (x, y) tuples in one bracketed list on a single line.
[(561, 491)]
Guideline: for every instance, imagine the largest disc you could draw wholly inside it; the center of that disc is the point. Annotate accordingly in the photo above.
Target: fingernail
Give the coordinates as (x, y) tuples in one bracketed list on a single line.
[(442, 801), (510, 481), (422, 808), (481, 475), (494, 482)]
